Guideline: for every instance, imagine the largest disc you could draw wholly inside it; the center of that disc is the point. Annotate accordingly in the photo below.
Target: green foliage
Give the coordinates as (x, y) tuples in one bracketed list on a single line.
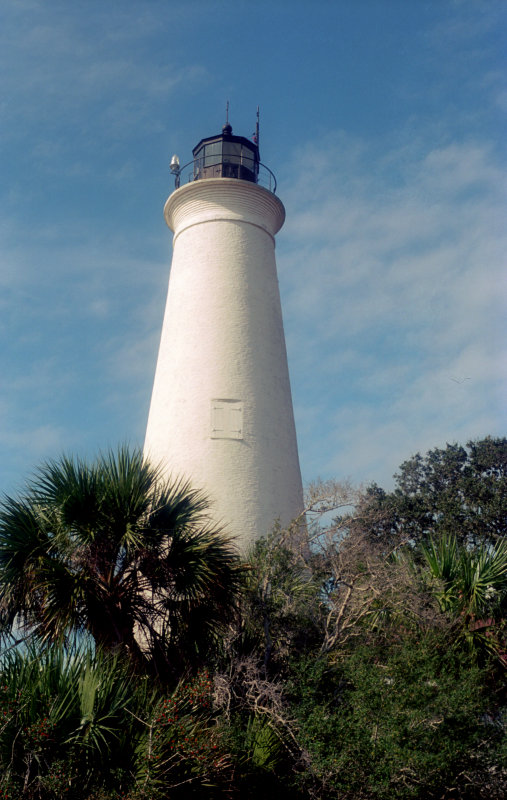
[(263, 743), (111, 549), (182, 746), (65, 720), (471, 587), (263, 761), (392, 718), (459, 491), (358, 660), (280, 601), (80, 725)]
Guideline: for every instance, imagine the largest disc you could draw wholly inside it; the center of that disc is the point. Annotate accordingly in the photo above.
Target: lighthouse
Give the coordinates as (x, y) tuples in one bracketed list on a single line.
[(221, 411)]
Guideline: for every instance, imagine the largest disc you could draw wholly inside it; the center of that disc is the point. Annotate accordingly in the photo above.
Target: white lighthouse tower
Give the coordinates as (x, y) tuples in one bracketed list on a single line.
[(221, 409)]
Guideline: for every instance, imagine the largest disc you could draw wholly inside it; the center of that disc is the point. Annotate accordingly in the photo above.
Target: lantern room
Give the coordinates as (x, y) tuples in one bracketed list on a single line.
[(226, 156)]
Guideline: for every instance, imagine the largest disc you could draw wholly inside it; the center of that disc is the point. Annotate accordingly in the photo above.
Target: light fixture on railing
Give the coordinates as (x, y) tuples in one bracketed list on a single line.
[(175, 169)]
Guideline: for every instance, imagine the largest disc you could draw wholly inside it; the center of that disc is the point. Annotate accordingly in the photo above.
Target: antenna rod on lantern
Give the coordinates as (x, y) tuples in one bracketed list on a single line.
[(257, 129), (227, 113)]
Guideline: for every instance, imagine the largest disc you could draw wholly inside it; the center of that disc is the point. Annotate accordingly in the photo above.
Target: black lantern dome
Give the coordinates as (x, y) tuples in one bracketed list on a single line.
[(226, 156)]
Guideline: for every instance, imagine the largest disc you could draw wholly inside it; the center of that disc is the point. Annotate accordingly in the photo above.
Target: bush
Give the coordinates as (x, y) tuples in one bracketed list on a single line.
[(82, 726), (395, 717)]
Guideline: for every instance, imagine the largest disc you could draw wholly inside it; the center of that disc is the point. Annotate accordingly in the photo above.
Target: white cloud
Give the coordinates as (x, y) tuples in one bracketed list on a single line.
[(392, 289), (64, 82), (391, 260), (79, 327)]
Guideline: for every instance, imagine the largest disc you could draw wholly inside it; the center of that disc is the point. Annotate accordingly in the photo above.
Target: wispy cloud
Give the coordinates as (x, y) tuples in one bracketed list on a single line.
[(63, 85), (394, 286), (391, 260), (79, 328)]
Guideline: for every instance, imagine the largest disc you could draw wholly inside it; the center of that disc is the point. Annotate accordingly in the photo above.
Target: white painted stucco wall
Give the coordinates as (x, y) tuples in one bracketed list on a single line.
[(221, 411)]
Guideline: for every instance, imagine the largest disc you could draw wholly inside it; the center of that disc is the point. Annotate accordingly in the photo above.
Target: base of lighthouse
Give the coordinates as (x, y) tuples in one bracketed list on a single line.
[(221, 411)]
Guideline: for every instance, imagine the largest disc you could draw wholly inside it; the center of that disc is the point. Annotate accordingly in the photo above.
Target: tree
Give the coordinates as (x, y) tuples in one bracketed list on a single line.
[(458, 491), (110, 549), (372, 689)]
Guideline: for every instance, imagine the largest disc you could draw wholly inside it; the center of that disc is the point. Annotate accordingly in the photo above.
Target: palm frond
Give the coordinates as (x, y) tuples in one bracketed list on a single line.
[(112, 548)]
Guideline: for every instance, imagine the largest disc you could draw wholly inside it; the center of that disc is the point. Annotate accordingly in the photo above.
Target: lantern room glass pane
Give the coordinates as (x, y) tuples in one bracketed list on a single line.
[(232, 152), (212, 153)]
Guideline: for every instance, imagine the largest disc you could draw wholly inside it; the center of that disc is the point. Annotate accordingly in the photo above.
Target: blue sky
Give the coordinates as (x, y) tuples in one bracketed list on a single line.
[(384, 121)]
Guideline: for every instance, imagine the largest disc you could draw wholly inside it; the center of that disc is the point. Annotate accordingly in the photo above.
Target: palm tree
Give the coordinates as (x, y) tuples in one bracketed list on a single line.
[(74, 723), (110, 549), (69, 715), (470, 584)]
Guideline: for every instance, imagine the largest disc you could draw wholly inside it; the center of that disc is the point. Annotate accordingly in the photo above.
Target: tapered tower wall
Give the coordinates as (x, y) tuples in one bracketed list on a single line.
[(221, 411)]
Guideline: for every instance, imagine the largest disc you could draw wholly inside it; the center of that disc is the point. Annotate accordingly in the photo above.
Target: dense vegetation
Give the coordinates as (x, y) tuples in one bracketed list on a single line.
[(362, 654)]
